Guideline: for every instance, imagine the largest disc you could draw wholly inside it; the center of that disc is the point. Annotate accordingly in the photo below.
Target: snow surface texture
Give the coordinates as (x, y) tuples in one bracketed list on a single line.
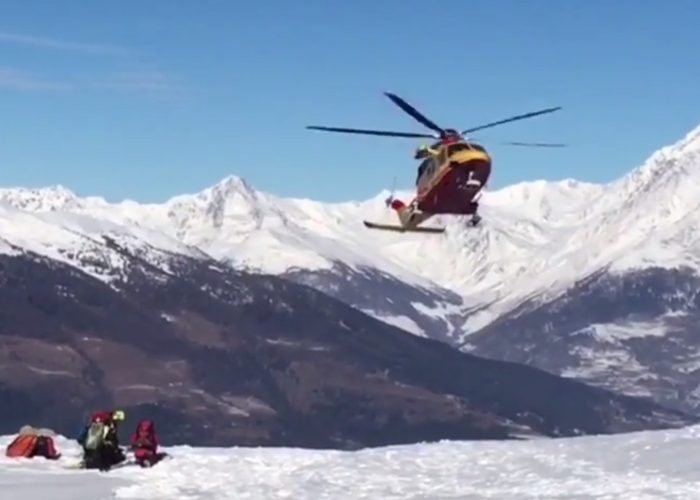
[(536, 238), (640, 466)]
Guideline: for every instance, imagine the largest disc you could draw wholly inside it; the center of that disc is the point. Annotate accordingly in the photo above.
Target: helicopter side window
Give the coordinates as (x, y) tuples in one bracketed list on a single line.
[(425, 166)]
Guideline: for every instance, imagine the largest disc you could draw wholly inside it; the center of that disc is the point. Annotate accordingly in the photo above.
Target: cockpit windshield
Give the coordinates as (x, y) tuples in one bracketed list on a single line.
[(453, 148)]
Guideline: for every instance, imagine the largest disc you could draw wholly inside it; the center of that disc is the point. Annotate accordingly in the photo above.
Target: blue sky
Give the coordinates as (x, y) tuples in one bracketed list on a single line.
[(145, 100)]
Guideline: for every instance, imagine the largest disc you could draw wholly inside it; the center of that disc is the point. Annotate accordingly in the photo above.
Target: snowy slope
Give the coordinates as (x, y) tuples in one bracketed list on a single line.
[(83, 241), (646, 465)]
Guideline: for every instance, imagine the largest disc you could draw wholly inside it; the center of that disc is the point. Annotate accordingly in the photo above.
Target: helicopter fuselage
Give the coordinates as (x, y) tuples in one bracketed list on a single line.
[(449, 181)]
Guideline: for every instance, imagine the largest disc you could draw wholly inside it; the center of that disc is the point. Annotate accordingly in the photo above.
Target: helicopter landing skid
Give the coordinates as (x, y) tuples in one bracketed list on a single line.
[(401, 229)]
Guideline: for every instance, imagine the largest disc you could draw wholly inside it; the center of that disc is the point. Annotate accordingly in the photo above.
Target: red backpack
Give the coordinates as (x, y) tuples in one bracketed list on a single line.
[(32, 445)]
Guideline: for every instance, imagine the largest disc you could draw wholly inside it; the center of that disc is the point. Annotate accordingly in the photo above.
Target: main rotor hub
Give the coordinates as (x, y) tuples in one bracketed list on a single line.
[(451, 136)]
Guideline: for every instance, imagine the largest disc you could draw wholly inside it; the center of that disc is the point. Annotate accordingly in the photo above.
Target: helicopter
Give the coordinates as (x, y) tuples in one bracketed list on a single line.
[(452, 173)]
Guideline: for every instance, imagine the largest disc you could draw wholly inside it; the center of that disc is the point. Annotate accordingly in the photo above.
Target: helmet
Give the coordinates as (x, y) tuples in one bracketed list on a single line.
[(101, 416), (146, 425)]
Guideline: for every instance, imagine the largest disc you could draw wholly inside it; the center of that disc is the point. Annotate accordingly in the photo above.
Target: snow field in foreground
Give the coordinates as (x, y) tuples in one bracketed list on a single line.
[(646, 465)]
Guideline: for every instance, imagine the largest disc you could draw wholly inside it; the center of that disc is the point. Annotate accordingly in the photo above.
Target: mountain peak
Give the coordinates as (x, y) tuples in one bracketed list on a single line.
[(668, 168), (233, 183), (232, 196), (690, 143), (44, 199)]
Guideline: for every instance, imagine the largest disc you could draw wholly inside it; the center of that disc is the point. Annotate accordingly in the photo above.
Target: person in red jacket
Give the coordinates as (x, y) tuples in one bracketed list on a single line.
[(144, 442)]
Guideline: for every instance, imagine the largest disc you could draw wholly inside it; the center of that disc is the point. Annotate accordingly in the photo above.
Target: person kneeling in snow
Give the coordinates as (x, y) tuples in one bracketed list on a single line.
[(100, 441), (144, 442)]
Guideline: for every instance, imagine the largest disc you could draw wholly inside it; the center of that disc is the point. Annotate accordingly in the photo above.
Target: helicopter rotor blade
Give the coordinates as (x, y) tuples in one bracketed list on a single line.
[(385, 133), (512, 119), (535, 144), (414, 113)]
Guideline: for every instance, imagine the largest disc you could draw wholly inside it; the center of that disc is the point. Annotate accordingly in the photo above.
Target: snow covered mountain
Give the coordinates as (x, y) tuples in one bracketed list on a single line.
[(594, 281), (644, 465), (223, 357)]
